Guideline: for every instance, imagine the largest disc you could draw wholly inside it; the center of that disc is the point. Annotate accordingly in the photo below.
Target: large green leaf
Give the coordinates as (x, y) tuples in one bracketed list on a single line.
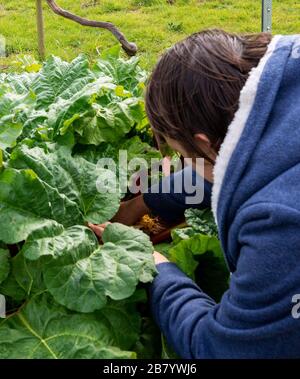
[(104, 110), (17, 83), (42, 329), (12, 101), (141, 152), (28, 204), (83, 278), (122, 318), (10, 130), (102, 105), (109, 122), (60, 242), (96, 114), (10, 123), (4, 264), (15, 101), (48, 193), (137, 248), (59, 79), (11, 289), (27, 274), (126, 73), (89, 186), (149, 345), (199, 222), (202, 221), (201, 258)]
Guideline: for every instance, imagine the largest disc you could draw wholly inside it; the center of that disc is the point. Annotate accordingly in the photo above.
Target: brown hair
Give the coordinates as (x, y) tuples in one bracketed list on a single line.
[(196, 85)]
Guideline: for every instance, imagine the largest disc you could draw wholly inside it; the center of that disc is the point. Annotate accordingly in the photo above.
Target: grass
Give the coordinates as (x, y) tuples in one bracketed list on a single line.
[(153, 24)]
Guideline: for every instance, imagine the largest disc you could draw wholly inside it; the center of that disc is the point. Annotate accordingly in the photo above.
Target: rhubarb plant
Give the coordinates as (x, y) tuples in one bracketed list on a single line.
[(67, 296)]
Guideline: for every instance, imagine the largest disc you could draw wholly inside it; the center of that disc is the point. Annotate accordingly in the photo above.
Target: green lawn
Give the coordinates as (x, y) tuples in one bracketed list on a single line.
[(152, 24)]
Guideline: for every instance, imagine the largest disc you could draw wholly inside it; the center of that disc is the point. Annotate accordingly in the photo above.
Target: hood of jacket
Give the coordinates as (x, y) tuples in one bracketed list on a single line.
[(259, 159)]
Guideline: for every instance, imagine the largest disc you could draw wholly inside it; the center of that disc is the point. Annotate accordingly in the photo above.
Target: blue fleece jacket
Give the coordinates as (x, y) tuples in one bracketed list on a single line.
[(256, 201)]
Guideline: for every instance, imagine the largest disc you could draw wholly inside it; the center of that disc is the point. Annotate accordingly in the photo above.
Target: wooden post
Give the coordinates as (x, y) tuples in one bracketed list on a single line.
[(40, 29)]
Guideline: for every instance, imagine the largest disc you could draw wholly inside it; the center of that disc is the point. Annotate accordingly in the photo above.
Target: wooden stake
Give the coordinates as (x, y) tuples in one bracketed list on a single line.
[(40, 29)]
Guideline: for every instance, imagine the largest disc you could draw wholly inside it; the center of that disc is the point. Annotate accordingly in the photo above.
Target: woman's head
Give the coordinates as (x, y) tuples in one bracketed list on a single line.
[(194, 90)]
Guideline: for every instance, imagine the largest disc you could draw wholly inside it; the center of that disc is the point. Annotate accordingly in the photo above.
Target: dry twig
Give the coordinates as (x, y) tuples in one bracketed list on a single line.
[(129, 47)]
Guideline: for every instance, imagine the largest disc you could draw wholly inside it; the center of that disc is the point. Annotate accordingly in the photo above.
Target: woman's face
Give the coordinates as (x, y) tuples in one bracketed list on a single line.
[(205, 146)]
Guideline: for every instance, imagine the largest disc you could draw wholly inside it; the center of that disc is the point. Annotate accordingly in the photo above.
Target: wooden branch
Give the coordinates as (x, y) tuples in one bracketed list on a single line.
[(129, 47), (40, 29)]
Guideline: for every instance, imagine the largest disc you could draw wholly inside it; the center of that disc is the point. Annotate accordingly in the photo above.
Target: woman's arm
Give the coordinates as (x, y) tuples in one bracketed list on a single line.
[(131, 211), (174, 194), (168, 199), (253, 319)]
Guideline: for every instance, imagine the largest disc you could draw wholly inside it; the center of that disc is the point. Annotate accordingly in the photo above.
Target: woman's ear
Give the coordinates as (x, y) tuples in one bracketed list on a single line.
[(203, 139), (205, 144)]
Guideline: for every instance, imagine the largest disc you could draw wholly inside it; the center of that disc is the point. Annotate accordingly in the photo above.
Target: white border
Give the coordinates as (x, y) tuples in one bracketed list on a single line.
[(236, 128)]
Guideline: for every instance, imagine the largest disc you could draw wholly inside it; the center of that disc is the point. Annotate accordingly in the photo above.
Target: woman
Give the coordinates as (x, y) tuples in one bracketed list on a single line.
[(235, 100)]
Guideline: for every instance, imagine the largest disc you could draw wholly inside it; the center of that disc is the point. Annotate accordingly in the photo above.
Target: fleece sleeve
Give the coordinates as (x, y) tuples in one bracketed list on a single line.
[(178, 192), (254, 318)]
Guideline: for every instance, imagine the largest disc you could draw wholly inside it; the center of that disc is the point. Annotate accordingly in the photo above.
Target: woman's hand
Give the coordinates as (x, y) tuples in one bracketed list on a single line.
[(98, 229), (159, 258), (131, 211)]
